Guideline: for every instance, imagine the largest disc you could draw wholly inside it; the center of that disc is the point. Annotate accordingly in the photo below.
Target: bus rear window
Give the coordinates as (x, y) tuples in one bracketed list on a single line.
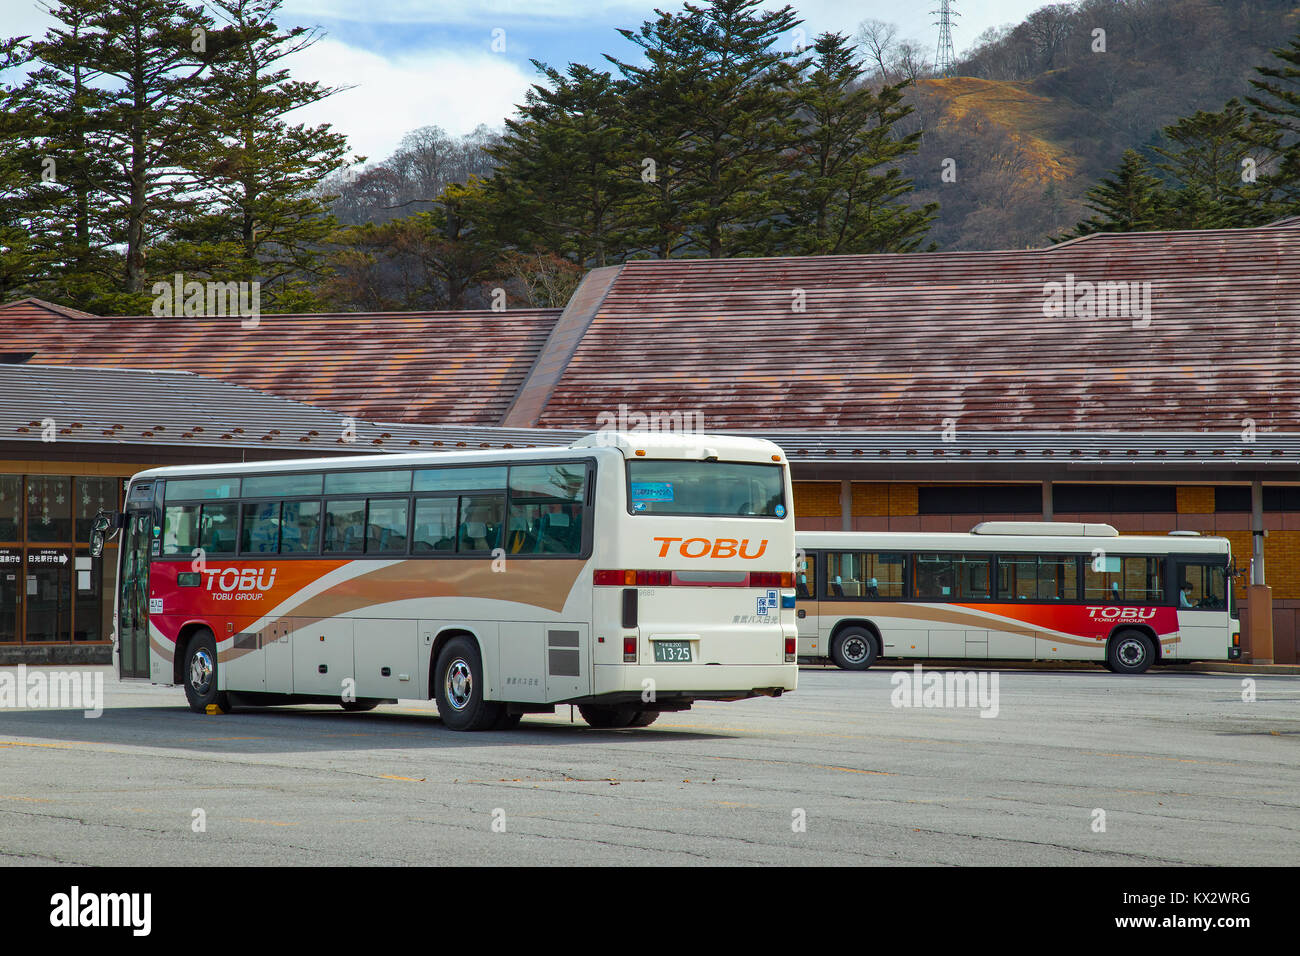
[(705, 488)]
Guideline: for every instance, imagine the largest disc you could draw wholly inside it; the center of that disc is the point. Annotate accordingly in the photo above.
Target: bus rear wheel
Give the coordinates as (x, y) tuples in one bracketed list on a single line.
[(458, 688), (854, 649), (1130, 652), (200, 670), (604, 717)]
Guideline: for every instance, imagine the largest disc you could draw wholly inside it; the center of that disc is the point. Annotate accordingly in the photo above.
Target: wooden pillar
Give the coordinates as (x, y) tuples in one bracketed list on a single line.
[(1259, 596)]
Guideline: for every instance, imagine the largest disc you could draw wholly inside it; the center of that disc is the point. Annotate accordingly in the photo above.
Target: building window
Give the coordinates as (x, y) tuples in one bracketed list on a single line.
[(979, 499), (1236, 499), (11, 504), (49, 508), (1114, 499), (93, 495)]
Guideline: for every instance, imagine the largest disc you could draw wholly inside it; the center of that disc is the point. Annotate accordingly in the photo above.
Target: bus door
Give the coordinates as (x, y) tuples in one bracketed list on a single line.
[(133, 592), (806, 606), (1201, 596)]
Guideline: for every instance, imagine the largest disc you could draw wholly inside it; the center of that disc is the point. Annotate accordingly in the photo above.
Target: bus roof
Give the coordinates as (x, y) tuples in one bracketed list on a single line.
[(1010, 543), (676, 445)]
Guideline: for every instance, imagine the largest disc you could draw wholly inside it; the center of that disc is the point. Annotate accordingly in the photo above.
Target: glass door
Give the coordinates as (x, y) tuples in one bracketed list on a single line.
[(11, 594), (133, 596)]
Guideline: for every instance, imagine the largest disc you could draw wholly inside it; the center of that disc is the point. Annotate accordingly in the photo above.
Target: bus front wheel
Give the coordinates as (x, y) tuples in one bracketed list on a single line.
[(201, 674), (458, 688), (854, 649), (1130, 652)]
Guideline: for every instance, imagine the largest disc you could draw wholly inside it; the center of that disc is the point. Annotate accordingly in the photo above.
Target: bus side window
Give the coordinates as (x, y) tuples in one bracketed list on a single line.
[(806, 585), (344, 525), (217, 528), (1208, 589)]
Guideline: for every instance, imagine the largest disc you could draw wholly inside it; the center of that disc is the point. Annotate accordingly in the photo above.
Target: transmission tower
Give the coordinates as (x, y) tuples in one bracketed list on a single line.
[(944, 55)]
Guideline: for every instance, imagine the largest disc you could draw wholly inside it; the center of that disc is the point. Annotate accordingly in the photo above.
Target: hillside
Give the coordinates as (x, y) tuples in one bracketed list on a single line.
[(1035, 116)]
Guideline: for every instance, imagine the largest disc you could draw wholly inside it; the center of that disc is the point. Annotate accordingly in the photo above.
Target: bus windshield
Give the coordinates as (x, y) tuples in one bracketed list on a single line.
[(705, 488)]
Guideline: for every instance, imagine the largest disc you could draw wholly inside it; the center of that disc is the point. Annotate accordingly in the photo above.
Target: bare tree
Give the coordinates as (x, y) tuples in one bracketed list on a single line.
[(877, 39)]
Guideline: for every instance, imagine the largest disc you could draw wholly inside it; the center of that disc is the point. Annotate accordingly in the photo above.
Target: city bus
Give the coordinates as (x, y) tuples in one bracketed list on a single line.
[(627, 574), (1047, 591)]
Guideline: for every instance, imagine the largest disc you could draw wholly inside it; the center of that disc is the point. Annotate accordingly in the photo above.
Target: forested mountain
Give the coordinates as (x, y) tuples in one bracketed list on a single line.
[(1037, 112)]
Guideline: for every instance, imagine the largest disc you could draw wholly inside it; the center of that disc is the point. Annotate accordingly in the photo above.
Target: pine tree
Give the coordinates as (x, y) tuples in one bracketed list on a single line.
[(711, 111), (1204, 164), (264, 217), (1275, 129), (564, 170), (838, 198), (147, 54), (21, 261), (1132, 200), (51, 119)]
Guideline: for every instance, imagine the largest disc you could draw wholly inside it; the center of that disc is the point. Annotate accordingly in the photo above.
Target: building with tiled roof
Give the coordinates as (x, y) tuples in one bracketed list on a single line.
[(1149, 380)]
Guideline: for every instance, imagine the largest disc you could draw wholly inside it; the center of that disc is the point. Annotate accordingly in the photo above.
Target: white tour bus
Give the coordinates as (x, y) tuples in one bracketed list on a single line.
[(629, 574), (1016, 591)]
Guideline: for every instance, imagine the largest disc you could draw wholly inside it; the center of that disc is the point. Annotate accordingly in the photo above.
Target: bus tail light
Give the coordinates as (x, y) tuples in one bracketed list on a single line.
[(629, 607), (789, 650), (614, 578), (771, 579), (632, 579), (629, 650)]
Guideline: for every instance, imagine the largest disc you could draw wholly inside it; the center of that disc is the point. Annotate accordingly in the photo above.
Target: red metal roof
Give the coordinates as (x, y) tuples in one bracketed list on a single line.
[(906, 341), (443, 367)]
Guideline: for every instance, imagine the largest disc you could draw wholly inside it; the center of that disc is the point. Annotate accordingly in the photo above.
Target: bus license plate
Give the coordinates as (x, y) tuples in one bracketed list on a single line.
[(672, 651)]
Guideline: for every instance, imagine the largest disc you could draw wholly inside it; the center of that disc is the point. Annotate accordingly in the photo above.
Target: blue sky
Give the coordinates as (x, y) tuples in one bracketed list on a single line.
[(419, 63)]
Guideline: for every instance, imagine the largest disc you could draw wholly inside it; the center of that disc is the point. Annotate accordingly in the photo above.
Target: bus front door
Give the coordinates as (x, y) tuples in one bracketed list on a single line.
[(133, 597)]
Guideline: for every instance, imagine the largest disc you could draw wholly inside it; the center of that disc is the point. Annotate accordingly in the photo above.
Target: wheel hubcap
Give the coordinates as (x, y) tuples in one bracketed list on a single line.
[(201, 671), (855, 649), (1132, 652), (459, 684)]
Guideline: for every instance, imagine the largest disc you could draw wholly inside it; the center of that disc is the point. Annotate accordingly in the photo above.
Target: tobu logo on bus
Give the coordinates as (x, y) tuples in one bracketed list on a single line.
[(240, 580), (714, 548), (1121, 613)]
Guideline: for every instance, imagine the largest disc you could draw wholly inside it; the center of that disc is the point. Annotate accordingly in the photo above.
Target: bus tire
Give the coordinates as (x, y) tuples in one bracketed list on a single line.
[(644, 718), (458, 688), (507, 720), (200, 673), (854, 649), (360, 705), (603, 717), (1130, 652)]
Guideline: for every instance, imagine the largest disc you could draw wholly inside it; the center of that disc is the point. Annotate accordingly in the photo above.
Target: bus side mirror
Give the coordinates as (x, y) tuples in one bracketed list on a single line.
[(98, 530)]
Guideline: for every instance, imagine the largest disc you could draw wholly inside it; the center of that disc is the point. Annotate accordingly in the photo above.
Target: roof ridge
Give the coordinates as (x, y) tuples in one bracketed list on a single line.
[(63, 310)]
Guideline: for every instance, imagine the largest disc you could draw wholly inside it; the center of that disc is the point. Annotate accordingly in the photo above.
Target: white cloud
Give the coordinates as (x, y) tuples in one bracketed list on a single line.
[(502, 12), (454, 89)]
